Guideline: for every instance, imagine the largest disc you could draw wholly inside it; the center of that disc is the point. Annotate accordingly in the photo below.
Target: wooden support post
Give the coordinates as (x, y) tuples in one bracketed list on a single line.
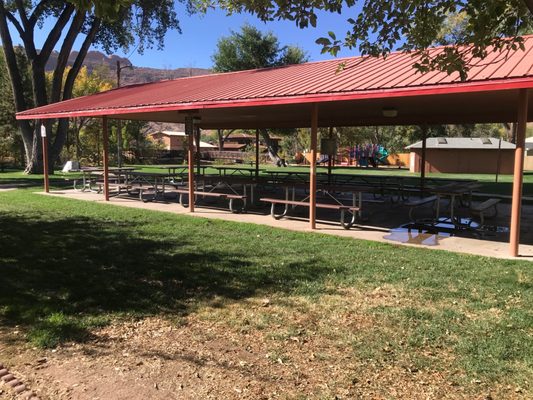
[(198, 154), (257, 153), (516, 206), (189, 130), (312, 167), (423, 161), (105, 140), (329, 156), (44, 138)]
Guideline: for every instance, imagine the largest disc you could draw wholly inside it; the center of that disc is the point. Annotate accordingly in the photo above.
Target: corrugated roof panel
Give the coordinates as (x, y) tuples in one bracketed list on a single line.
[(524, 65), (401, 75), (361, 76), (354, 71)]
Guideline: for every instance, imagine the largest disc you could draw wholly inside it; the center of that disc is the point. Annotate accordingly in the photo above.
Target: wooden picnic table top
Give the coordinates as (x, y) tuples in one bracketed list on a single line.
[(243, 179), (110, 169), (236, 167), (183, 168), (455, 188), (330, 187), (147, 174)]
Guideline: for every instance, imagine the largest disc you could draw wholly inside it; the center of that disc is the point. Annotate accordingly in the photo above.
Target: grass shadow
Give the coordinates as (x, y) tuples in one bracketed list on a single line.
[(61, 277)]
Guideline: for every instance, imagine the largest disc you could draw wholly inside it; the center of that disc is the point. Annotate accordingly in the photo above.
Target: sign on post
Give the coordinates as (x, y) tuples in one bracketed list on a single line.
[(43, 131)]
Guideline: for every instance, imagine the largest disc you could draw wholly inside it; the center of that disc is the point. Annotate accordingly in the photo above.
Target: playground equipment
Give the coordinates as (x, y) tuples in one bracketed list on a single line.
[(367, 155)]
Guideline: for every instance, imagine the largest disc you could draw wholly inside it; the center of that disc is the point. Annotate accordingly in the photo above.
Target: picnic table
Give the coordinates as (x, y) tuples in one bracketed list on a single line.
[(234, 170), (231, 184), (180, 170), (90, 174), (142, 182), (331, 200), (453, 191)]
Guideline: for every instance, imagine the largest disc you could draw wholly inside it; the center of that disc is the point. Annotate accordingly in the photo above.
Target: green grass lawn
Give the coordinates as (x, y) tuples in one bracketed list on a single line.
[(68, 267)]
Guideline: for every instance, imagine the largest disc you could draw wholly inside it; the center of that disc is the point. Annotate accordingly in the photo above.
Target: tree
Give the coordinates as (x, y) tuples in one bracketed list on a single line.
[(86, 83), (109, 25), (378, 27), (10, 140), (250, 49)]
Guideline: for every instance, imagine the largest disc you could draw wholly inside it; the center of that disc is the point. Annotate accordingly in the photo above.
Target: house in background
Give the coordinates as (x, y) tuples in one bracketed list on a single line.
[(463, 155), (176, 140), (239, 141)]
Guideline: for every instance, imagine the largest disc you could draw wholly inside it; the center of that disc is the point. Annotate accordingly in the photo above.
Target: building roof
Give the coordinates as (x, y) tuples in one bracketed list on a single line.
[(463, 143), (232, 146), (240, 135), (362, 79)]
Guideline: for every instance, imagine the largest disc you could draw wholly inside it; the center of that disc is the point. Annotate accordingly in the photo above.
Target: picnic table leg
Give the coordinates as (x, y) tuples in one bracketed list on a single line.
[(287, 198), (437, 209), (360, 205), (105, 140), (452, 209), (189, 128), (349, 224)]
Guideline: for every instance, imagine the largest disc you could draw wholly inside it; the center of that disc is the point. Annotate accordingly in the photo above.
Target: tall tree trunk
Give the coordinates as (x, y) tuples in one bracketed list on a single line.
[(272, 146), (32, 144), (34, 153), (62, 126), (77, 128), (510, 130), (220, 134)]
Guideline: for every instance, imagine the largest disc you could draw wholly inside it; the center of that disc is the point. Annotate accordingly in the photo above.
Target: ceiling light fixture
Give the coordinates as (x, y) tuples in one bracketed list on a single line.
[(389, 112)]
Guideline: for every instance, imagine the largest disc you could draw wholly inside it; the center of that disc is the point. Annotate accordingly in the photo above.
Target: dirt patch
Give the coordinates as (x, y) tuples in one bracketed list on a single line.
[(287, 348)]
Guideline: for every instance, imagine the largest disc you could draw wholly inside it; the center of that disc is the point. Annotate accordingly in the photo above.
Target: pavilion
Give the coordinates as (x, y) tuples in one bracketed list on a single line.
[(353, 91)]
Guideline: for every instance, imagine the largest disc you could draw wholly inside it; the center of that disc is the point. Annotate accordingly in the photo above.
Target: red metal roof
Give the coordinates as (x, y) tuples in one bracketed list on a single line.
[(361, 78)]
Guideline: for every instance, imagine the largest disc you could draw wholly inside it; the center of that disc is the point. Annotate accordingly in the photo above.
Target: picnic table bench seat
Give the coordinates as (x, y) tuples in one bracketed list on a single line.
[(113, 184), (483, 207), (415, 203), (223, 196), (341, 207)]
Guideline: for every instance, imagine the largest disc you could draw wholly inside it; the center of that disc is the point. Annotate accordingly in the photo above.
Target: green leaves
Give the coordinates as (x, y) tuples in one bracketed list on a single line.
[(107, 10), (250, 48), (378, 27)]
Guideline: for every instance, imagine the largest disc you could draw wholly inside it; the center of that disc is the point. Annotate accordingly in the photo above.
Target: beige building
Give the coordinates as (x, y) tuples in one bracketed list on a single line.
[(463, 155)]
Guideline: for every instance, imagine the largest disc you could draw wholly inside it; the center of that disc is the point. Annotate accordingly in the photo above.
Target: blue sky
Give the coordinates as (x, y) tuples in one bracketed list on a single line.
[(200, 33)]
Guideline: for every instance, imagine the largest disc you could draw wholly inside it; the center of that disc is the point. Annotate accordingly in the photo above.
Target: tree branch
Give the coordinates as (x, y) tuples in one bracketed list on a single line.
[(26, 36), (69, 85), (15, 23), (529, 5), (37, 11), (22, 13), (55, 34), (11, 61), (78, 63), (14, 73), (229, 133), (64, 53)]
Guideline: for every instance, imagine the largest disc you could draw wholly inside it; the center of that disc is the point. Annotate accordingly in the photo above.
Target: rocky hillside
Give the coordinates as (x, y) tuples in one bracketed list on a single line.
[(137, 75)]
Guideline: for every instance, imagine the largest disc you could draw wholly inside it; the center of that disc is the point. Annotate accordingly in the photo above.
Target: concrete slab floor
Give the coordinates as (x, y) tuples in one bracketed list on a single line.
[(378, 221)]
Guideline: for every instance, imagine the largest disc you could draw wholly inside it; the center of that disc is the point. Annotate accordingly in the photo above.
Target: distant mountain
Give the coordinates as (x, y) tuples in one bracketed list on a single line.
[(96, 59)]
